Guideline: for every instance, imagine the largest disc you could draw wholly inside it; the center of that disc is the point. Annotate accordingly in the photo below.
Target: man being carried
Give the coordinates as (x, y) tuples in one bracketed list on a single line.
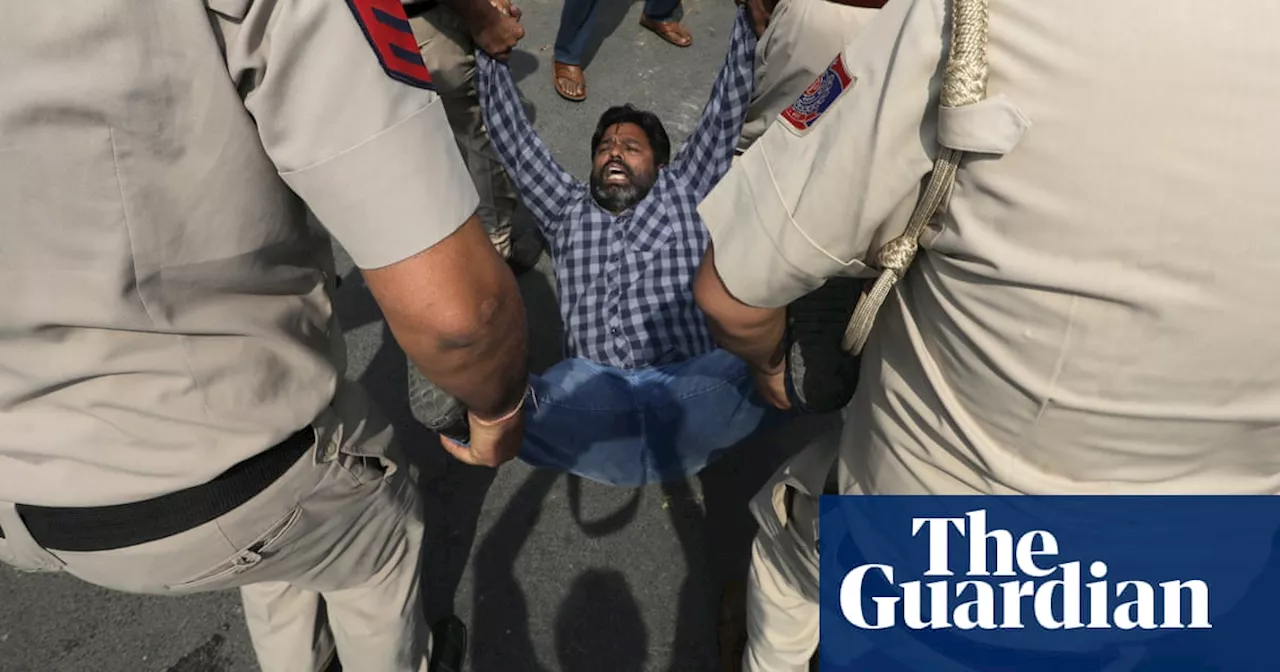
[(645, 394)]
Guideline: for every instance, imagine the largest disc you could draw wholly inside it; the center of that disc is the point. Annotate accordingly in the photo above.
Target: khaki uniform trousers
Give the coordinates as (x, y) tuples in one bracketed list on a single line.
[(447, 49), (802, 39), (343, 524), (782, 586)]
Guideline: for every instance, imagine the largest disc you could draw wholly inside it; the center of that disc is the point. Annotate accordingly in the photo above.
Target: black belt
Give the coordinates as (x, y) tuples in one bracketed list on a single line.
[(102, 528)]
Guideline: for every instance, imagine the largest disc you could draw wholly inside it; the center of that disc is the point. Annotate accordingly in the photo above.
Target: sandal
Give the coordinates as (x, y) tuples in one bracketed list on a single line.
[(573, 75), (671, 31)]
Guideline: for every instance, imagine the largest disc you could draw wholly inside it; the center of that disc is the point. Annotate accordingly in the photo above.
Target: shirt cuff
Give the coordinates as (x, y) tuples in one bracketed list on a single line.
[(761, 256), (394, 195)]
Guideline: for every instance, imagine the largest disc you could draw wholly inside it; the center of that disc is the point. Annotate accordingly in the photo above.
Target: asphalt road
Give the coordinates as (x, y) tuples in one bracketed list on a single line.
[(550, 573)]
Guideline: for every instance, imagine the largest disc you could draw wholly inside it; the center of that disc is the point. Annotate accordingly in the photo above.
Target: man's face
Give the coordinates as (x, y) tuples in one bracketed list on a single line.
[(623, 170)]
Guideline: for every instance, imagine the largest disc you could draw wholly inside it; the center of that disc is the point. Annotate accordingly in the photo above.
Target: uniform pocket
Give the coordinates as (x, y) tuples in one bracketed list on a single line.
[(361, 441), (366, 469), (247, 558)]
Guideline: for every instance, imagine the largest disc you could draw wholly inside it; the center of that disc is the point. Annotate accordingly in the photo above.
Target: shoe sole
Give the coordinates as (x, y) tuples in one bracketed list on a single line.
[(821, 376)]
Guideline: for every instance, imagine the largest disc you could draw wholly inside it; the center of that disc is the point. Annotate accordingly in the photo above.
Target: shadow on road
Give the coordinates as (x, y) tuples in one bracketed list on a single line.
[(579, 646), (500, 637), (598, 625), (522, 64)]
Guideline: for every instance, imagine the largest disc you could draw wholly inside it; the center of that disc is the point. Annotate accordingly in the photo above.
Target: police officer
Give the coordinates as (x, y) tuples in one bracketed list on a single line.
[(173, 413), (1092, 314), (798, 39)]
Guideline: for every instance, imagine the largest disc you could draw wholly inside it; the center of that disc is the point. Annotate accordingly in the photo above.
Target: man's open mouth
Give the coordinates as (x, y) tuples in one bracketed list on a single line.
[(616, 173)]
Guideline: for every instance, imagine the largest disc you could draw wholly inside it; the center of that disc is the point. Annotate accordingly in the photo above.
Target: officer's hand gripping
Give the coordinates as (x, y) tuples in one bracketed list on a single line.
[(492, 442)]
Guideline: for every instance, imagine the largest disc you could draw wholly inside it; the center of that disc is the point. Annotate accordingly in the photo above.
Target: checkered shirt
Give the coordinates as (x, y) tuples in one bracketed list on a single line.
[(626, 282)]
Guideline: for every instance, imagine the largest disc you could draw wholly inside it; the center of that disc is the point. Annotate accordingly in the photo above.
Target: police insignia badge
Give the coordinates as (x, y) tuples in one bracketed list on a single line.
[(820, 96), (387, 28)]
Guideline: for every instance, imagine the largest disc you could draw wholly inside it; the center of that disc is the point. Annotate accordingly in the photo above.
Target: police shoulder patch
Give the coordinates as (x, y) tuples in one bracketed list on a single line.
[(819, 97), (386, 26)]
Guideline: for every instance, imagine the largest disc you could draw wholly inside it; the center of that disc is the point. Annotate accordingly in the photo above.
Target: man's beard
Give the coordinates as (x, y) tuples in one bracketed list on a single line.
[(619, 197)]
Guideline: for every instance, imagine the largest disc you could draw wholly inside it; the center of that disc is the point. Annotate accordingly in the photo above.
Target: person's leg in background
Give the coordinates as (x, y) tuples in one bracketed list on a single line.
[(802, 39), (449, 53), (660, 17), (576, 21)]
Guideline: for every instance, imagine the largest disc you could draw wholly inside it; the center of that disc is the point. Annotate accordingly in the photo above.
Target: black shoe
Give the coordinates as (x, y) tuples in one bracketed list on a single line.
[(526, 249), (449, 645), (821, 376)]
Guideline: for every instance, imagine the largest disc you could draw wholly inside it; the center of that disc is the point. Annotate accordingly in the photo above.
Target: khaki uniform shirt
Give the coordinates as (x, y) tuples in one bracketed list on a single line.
[(1097, 312), (163, 308)]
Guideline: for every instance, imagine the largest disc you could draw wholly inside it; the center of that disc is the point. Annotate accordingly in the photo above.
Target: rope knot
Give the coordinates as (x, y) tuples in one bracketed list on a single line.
[(897, 255)]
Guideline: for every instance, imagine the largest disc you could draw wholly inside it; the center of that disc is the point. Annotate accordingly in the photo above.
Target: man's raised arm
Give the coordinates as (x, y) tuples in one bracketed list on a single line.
[(708, 152), (545, 188)]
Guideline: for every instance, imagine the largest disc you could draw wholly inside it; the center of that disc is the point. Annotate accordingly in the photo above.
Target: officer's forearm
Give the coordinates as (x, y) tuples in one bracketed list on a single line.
[(456, 311), (483, 364), (754, 334)]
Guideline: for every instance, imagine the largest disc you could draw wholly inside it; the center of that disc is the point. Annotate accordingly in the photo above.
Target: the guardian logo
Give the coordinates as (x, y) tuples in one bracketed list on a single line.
[(1040, 587)]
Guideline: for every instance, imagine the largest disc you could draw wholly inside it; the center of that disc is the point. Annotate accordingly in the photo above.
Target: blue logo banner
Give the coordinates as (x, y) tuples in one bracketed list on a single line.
[(1049, 584)]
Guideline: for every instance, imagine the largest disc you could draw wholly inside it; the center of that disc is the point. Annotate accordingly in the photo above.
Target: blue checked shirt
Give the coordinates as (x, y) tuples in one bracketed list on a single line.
[(626, 282)]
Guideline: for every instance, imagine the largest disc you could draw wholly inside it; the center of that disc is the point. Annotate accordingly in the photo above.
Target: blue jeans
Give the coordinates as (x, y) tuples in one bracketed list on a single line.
[(578, 17), (629, 428)]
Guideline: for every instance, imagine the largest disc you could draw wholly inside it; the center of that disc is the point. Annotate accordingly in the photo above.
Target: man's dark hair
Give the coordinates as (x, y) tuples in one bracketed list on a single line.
[(647, 121)]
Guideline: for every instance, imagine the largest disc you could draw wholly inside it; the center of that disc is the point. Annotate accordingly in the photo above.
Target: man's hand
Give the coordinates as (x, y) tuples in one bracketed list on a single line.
[(772, 385), (492, 443), (499, 33)]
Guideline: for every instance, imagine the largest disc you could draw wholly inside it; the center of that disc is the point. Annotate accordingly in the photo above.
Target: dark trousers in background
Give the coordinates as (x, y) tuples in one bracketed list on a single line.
[(578, 17)]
